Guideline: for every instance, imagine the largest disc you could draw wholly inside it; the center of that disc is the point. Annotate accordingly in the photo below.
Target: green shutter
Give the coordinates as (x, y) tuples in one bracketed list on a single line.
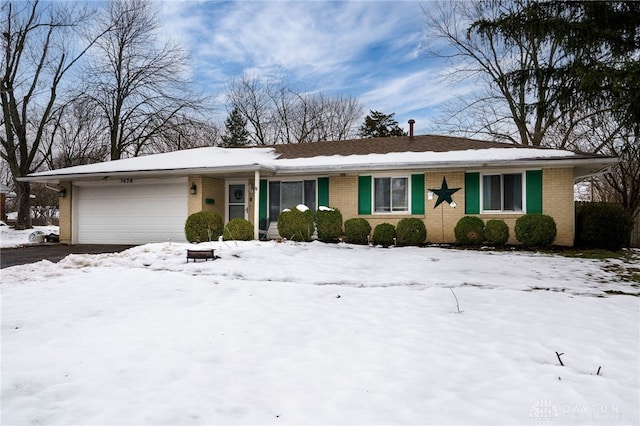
[(323, 191), (472, 193), (417, 194), (534, 191), (262, 206), (364, 194)]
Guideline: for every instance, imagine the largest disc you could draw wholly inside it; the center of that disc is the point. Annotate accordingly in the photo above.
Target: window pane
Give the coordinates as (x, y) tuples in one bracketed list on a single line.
[(400, 195), (290, 194), (274, 201), (236, 212), (491, 193), (310, 194), (382, 193), (512, 192), (236, 194)]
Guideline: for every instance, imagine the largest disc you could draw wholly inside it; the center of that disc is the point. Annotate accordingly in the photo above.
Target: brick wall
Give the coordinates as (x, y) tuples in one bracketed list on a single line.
[(343, 194), (440, 222), (557, 202), (65, 213), (207, 188)]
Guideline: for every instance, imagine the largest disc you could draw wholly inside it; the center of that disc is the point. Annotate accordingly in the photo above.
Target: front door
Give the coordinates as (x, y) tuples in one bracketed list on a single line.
[(236, 201)]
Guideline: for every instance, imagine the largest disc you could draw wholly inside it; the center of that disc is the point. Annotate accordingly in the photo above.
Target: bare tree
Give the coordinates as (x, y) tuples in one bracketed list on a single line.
[(540, 85), (502, 107), (76, 136), (335, 117), (251, 98), (622, 184), (277, 114), (137, 82), (37, 52), (184, 132)]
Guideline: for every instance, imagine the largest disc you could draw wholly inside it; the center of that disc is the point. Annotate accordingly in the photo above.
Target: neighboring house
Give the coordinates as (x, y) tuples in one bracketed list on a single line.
[(5, 192), (147, 199)]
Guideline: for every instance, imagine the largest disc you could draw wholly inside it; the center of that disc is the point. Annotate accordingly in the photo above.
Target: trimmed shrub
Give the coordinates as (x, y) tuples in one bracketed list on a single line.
[(410, 232), (496, 232), (469, 230), (203, 226), (329, 224), (357, 230), (296, 224), (535, 230), (603, 225), (238, 229), (384, 234)]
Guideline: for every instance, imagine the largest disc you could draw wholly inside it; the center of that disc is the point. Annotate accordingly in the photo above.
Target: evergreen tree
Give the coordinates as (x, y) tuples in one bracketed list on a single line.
[(380, 125), (601, 41), (236, 133)]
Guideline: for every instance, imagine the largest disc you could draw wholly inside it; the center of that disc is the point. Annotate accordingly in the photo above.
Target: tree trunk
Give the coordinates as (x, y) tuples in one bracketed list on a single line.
[(23, 194)]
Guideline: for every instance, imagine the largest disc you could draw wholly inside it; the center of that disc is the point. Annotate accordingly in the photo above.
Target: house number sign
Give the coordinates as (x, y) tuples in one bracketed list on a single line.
[(126, 180)]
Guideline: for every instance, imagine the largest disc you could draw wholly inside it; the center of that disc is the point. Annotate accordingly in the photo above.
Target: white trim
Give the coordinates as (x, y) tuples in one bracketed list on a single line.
[(523, 184), (375, 176), (74, 213), (256, 205), (126, 180)]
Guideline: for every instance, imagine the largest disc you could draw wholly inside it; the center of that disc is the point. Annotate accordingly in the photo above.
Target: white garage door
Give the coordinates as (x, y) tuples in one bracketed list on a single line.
[(130, 211)]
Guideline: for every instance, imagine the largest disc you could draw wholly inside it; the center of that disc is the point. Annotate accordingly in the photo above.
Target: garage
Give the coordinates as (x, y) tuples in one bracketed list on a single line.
[(130, 211)]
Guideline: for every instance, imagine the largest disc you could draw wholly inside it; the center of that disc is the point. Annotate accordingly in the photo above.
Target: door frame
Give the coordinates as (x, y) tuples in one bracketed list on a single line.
[(227, 183)]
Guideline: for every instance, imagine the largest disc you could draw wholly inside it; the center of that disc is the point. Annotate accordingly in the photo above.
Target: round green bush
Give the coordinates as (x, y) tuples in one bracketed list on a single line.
[(411, 232), (496, 232), (357, 230), (238, 229), (535, 230), (296, 224), (603, 225), (329, 224), (384, 234), (203, 226), (469, 230)]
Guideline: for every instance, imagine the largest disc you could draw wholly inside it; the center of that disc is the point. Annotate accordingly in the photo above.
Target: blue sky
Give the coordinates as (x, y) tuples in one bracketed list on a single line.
[(373, 50)]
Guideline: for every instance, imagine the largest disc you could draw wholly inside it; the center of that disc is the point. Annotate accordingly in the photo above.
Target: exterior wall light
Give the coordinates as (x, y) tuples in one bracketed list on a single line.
[(193, 189), (62, 193)]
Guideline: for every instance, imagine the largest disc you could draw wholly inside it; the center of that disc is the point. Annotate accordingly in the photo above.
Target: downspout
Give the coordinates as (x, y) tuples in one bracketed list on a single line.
[(256, 205)]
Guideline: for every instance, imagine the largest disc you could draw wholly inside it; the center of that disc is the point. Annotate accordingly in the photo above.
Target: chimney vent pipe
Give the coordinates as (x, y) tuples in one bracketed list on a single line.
[(411, 123)]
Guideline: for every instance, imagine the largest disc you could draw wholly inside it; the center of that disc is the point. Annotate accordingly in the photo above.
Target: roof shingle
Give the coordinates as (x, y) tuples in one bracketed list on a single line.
[(423, 143)]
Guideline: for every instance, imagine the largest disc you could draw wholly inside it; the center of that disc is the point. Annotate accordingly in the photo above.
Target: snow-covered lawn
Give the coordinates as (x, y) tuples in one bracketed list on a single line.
[(286, 333), (9, 237)]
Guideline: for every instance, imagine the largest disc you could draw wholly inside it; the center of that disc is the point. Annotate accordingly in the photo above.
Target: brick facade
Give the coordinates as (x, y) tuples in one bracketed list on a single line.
[(207, 188), (65, 224), (343, 194), (441, 221)]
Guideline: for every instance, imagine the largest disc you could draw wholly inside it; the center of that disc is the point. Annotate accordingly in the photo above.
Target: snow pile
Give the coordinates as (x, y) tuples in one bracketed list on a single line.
[(294, 333), (12, 238)]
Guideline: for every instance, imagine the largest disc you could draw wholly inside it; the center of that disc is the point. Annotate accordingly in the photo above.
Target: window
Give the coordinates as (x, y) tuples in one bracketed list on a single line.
[(287, 194), (391, 194), (502, 192)]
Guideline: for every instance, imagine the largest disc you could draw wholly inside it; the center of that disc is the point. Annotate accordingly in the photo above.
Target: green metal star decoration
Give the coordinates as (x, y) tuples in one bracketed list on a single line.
[(444, 193)]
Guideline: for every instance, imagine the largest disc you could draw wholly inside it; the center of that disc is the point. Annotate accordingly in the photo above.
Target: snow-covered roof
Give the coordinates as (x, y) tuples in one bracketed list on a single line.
[(402, 153)]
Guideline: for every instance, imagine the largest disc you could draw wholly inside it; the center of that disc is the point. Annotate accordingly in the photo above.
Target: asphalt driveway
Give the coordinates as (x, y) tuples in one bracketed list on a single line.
[(52, 252)]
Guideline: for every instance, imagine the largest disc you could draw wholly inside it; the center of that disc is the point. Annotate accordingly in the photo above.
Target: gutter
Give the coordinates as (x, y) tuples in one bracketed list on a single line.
[(361, 167), (603, 165), (57, 177)]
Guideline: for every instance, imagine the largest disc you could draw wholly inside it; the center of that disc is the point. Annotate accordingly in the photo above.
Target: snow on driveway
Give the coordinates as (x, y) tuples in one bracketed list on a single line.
[(288, 333)]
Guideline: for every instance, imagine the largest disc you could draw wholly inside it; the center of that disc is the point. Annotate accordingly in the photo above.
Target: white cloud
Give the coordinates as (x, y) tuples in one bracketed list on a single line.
[(368, 49)]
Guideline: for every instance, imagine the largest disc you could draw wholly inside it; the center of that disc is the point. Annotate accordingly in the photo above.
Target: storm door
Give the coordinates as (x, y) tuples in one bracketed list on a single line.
[(237, 201)]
